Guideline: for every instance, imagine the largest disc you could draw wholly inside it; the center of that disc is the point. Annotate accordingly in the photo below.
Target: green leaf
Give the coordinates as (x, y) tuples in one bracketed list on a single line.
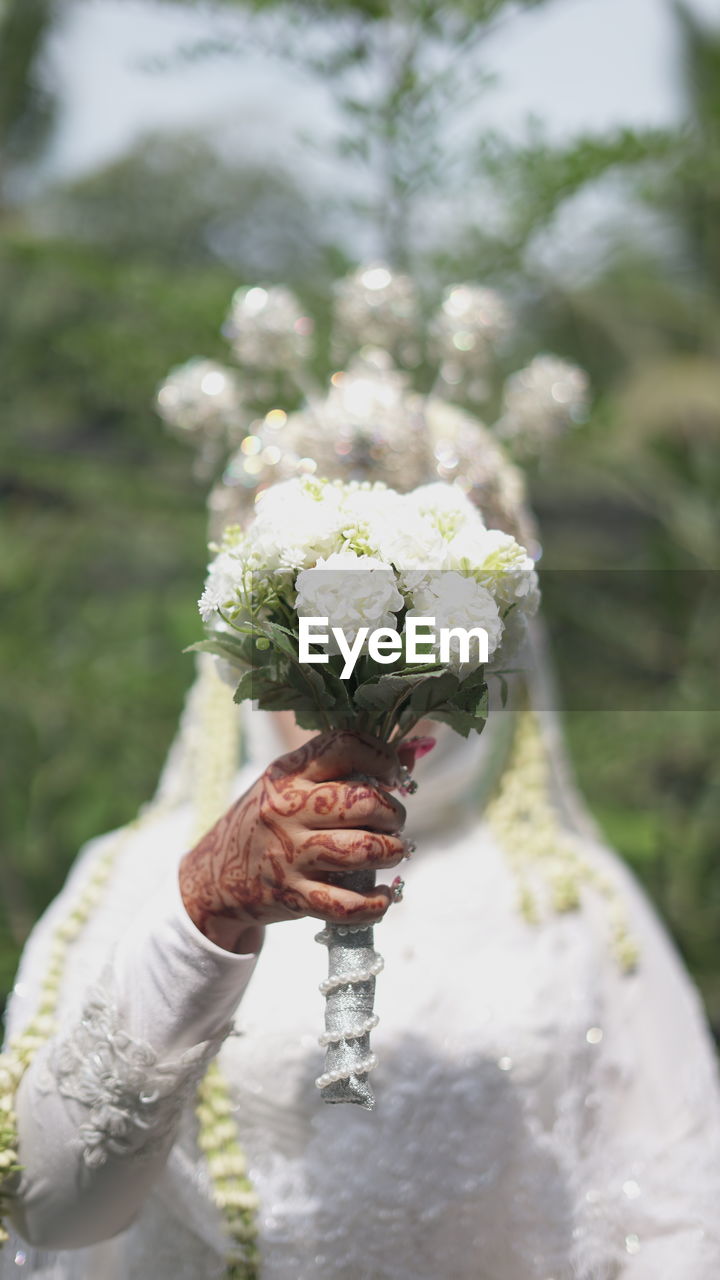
[(463, 722), (282, 697), (309, 682), (249, 686), (432, 692), (278, 637), (292, 635), (473, 699), (380, 695), (201, 646), (220, 644), (308, 716), (418, 670), (476, 679), (343, 710)]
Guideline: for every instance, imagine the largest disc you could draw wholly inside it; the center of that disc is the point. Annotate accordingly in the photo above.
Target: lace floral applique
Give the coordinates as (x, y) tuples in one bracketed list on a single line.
[(133, 1100)]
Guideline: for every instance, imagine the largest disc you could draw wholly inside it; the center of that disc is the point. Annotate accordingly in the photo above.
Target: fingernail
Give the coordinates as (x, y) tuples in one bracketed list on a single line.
[(396, 889), (410, 847)]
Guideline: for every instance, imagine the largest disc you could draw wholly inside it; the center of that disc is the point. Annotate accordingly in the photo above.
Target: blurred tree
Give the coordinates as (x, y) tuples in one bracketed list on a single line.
[(103, 536), (694, 200), (406, 82), (174, 200), (26, 102)]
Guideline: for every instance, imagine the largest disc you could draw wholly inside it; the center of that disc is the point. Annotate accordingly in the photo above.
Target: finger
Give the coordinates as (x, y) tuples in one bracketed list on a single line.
[(413, 749), (343, 906), (353, 804), (339, 754), (349, 851)]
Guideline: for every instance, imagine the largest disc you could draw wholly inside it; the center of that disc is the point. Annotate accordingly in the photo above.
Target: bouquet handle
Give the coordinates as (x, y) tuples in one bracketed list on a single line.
[(349, 994)]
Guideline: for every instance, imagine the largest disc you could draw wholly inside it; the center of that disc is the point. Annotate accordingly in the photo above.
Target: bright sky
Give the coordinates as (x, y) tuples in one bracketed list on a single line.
[(578, 64)]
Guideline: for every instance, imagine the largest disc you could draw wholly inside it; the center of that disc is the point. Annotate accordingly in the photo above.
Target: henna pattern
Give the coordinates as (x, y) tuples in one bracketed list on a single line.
[(322, 808)]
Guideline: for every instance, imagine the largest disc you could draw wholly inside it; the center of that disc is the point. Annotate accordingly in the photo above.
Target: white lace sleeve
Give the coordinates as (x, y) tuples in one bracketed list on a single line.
[(131, 1098), (99, 1108)]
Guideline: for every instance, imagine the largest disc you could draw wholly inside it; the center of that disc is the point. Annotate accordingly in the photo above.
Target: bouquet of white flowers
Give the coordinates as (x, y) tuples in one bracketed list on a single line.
[(358, 607)]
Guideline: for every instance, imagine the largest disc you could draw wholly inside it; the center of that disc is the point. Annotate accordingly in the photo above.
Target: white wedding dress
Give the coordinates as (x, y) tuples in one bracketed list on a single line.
[(540, 1115)]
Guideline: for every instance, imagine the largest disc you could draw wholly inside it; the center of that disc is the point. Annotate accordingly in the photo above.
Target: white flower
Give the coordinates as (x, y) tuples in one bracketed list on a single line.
[(499, 563), (296, 523), (445, 506), (272, 547), (221, 586), (467, 548), (505, 567), (500, 551), (366, 511), (415, 532), (455, 600), (408, 540), (351, 591)]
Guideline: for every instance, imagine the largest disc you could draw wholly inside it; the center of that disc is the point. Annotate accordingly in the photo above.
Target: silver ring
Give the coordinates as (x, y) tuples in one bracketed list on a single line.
[(407, 782)]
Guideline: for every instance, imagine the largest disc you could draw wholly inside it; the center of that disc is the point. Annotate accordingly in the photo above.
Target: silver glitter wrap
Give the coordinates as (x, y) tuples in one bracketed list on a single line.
[(541, 402), (349, 999)]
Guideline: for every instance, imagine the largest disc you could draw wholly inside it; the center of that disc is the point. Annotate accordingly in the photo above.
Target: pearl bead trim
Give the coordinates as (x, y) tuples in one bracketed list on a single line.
[(326, 937), (351, 979), (355, 1033), (333, 1077)]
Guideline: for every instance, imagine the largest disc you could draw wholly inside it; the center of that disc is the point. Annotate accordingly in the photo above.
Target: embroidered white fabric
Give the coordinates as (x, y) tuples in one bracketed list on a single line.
[(133, 1100), (539, 1116)]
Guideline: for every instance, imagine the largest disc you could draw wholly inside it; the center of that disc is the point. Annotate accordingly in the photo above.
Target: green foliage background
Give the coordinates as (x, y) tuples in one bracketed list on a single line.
[(108, 282)]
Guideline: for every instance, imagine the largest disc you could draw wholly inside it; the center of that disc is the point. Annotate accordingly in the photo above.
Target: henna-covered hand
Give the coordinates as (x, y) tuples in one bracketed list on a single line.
[(272, 856)]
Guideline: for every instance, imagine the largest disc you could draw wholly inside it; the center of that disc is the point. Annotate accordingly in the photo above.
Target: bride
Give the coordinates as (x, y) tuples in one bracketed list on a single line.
[(548, 1101)]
